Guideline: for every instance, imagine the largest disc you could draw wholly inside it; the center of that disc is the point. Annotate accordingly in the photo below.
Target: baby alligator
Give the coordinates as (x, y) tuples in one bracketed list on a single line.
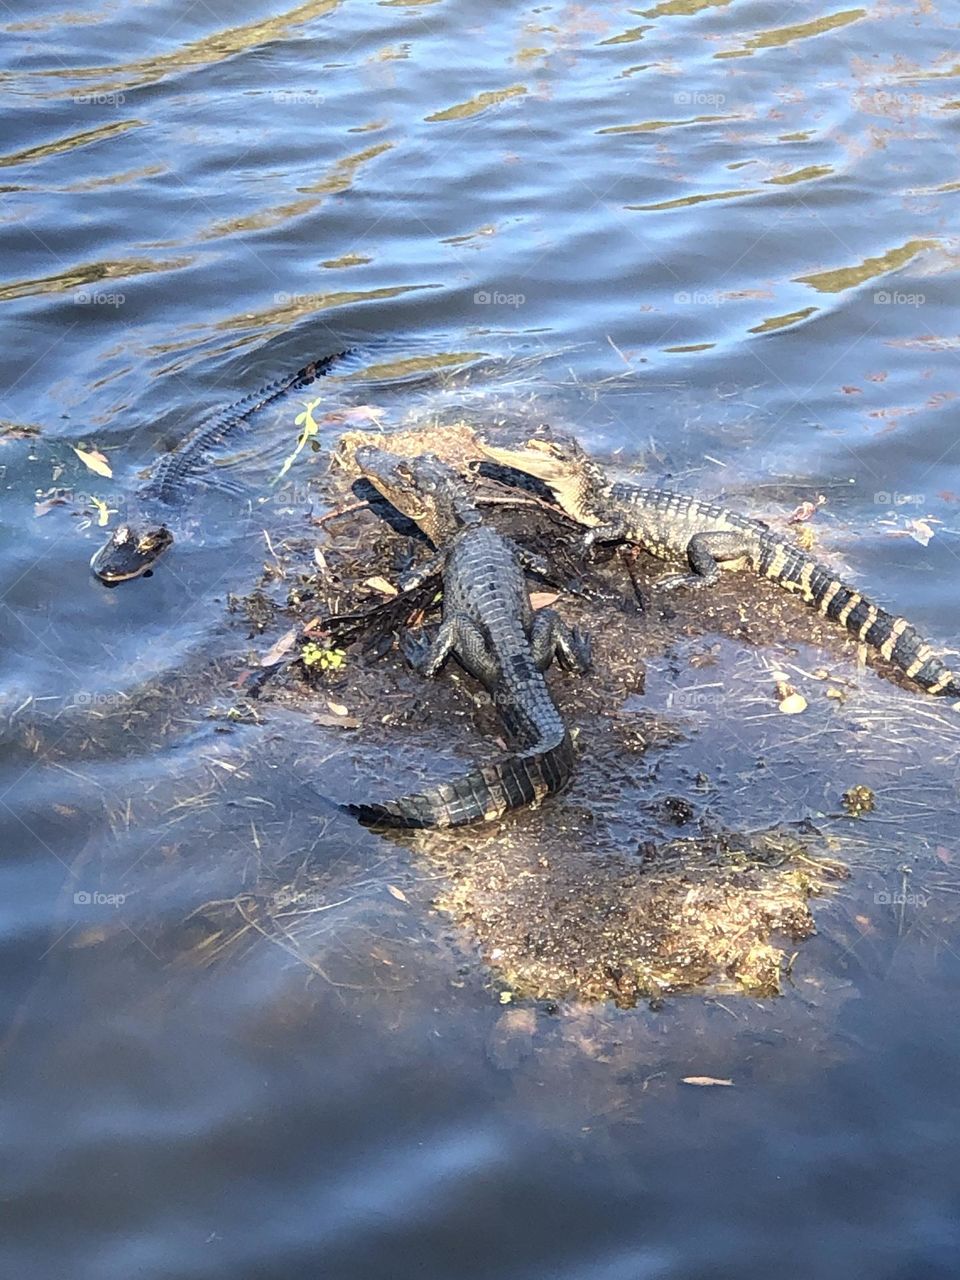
[(489, 625), (135, 546), (673, 526)]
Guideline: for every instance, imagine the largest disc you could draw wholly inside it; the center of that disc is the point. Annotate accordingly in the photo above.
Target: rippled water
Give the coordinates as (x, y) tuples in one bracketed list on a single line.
[(718, 239)]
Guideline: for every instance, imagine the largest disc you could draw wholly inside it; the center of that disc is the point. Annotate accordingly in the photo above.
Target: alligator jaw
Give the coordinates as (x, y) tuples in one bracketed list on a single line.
[(571, 477), (424, 489), (533, 457), (129, 553)]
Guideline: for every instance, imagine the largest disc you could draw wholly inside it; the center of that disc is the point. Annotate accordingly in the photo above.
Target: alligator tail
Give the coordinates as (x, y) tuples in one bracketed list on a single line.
[(892, 636), (173, 467), (241, 409), (481, 795)]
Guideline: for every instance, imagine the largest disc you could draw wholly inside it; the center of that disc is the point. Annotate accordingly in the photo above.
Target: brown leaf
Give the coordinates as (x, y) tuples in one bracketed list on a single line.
[(704, 1081), (94, 461), (397, 893), (357, 413), (376, 583), (338, 708), (804, 512), (541, 599), (336, 722), (282, 646), (41, 508)]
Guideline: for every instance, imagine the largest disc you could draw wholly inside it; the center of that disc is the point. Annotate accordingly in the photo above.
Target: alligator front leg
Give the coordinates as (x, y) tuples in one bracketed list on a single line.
[(615, 528), (704, 550), (420, 574), (530, 562), (550, 638)]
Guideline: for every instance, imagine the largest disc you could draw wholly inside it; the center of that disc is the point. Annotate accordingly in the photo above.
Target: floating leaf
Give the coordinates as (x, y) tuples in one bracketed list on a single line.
[(338, 708), (807, 510), (397, 893), (282, 646), (793, 704), (705, 1081), (94, 461), (377, 583), (357, 413), (41, 508), (920, 531), (103, 512)]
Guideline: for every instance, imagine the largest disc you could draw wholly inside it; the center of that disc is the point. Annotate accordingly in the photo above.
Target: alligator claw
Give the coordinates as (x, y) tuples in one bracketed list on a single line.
[(415, 647), (581, 646), (678, 582)]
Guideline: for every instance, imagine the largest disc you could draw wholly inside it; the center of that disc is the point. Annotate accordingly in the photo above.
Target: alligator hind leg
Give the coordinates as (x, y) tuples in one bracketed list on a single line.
[(428, 656), (704, 550), (550, 638), (458, 636)]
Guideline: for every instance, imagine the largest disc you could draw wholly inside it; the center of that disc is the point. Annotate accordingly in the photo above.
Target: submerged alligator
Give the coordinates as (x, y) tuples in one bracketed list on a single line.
[(137, 544), (489, 625), (674, 526)]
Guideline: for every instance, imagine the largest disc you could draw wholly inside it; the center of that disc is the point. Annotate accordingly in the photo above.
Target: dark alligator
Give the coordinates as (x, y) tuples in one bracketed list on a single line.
[(674, 526), (489, 625), (137, 544)]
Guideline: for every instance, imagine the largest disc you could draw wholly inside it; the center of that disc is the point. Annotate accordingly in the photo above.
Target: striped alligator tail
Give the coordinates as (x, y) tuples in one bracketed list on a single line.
[(482, 794), (892, 636), (172, 468)]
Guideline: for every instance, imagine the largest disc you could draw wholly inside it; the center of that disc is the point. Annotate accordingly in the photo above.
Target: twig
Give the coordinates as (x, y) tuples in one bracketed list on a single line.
[(340, 511)]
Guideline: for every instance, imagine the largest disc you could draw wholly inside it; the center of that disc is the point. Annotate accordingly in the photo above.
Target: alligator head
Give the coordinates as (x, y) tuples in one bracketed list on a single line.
[(562, 465), (130, 553), (424, 489)]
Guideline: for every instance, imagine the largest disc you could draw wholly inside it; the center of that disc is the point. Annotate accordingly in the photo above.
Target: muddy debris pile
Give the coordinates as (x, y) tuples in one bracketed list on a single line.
[(596, 896)]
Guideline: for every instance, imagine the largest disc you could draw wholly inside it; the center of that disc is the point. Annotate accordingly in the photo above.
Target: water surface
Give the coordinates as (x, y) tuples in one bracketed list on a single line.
[(717, 239)]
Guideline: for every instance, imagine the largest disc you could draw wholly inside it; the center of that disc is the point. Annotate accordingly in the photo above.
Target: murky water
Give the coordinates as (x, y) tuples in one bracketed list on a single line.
[(717, 240)]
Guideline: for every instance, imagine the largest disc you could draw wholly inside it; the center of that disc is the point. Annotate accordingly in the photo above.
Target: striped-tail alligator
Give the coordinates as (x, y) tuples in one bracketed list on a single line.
[(489, 625), (137, 544), (674, 526)]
